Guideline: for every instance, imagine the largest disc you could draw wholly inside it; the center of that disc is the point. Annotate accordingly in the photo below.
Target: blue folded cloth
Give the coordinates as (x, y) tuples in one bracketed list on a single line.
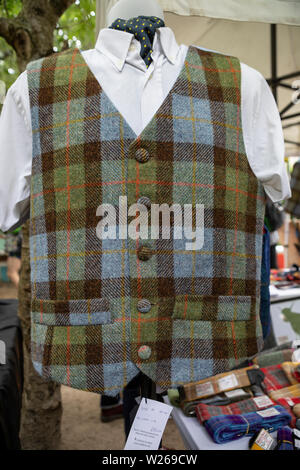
[(226, 428), (285, 439)]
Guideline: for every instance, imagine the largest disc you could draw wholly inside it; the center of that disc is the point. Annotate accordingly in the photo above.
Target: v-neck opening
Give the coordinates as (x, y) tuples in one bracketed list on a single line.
[(137, 137)]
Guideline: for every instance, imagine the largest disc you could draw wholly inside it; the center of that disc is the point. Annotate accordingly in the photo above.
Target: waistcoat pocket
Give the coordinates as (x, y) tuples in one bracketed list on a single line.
[(215, 307), (73, 312)]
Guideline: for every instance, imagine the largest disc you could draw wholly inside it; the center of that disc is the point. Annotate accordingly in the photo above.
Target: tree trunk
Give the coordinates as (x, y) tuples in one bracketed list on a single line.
[(31, 32), (31, 36)]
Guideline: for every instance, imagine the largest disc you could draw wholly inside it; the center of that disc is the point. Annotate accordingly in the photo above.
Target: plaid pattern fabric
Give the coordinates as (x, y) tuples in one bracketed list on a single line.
[(285, 439), (205, 412), (290, 370), (287, 392), (204, 315), (217, 384), (288, 403), (275, 378), (273, 358), (293, 204), (226, 428)]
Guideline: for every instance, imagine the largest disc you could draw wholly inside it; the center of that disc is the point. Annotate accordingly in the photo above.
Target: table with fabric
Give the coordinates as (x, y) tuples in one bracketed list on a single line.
[(11, 375)]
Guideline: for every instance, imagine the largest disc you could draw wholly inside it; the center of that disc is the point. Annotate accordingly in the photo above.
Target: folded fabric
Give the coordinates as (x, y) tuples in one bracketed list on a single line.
[(226, 428), (173, 396), (287, 392), (205, 412), (275, 378), (273, 358), (224, 399), (237, 378), (288, 404), (297, 373), (189, 407), (290, 369), (285, 439)]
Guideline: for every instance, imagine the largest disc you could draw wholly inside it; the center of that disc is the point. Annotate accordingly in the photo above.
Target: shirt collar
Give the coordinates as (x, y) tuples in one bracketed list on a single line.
[(114, 44)]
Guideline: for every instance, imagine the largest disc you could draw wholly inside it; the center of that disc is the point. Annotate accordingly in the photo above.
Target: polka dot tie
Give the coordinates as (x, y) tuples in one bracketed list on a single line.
[(143, 28)]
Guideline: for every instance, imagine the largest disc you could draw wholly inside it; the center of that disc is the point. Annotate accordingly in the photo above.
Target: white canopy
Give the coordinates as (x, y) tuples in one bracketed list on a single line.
[(196, 22), (262, 11)]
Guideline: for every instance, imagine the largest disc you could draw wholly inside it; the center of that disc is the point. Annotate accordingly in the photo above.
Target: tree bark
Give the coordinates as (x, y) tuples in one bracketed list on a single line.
[(31, 36), (31, 32)]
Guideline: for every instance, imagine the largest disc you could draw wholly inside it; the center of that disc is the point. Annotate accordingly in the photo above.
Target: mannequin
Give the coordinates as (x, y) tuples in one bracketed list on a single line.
[(126, 9)]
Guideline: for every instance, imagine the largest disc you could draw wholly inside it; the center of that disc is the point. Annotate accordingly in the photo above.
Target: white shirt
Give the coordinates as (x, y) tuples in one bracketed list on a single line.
[(137, 92)]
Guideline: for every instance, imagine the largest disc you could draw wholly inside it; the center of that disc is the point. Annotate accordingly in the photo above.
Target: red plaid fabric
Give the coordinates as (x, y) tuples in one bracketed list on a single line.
[(288, 404), (275, 378), (205, 412)]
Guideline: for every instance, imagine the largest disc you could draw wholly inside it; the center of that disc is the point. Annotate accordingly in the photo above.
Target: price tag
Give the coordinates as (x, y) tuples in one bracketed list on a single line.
[(296, 355), (228, 381), (268, 413), (235, 393), (264, 441), (148, 425), (263, 401), (204, 389)]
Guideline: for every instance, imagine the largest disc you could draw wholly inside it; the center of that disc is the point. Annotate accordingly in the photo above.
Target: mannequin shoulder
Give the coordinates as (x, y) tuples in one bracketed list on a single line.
[(251, 78)]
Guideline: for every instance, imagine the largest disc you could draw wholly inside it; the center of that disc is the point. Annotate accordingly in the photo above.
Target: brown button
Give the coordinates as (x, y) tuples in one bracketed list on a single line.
[(144, 306), (142, 155), (144, 253), (145, 201)]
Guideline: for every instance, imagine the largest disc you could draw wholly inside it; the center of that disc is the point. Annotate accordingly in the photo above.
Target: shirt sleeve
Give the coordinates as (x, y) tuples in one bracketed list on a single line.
[(15, 156), (263, 135)]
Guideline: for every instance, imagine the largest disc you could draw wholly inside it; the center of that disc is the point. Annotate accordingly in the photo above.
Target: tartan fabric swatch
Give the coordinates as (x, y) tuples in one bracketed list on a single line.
[(293, 204), (85, 154), (291, 371), (273, 358), (285, 440), (288, 392), (288, 403), (205, 412), (275, 378), (214, 385), (226, 428), (189, 407)]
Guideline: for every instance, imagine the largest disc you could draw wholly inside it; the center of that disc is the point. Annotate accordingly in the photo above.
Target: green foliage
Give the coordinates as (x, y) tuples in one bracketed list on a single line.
[(78, 23), (76, 27)]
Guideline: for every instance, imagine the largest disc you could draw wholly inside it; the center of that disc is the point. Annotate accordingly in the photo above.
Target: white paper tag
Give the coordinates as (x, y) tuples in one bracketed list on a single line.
[(297, 443), (148, 425), (235, 393), (229, 381), (268, 413), (296, 355), (296, 343), (204, 389), (263, 402), (264, 440), (289, 401), (297, 432)]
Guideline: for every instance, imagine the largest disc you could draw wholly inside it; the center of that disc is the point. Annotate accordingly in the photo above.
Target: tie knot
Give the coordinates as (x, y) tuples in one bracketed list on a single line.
[(143, 28)]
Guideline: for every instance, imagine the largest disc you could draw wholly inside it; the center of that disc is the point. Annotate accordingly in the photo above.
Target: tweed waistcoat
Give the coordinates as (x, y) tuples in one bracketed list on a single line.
[(103, 310)]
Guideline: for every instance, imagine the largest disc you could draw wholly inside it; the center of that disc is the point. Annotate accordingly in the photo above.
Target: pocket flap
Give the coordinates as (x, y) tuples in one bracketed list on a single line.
[(214, 307), (71, 312)]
